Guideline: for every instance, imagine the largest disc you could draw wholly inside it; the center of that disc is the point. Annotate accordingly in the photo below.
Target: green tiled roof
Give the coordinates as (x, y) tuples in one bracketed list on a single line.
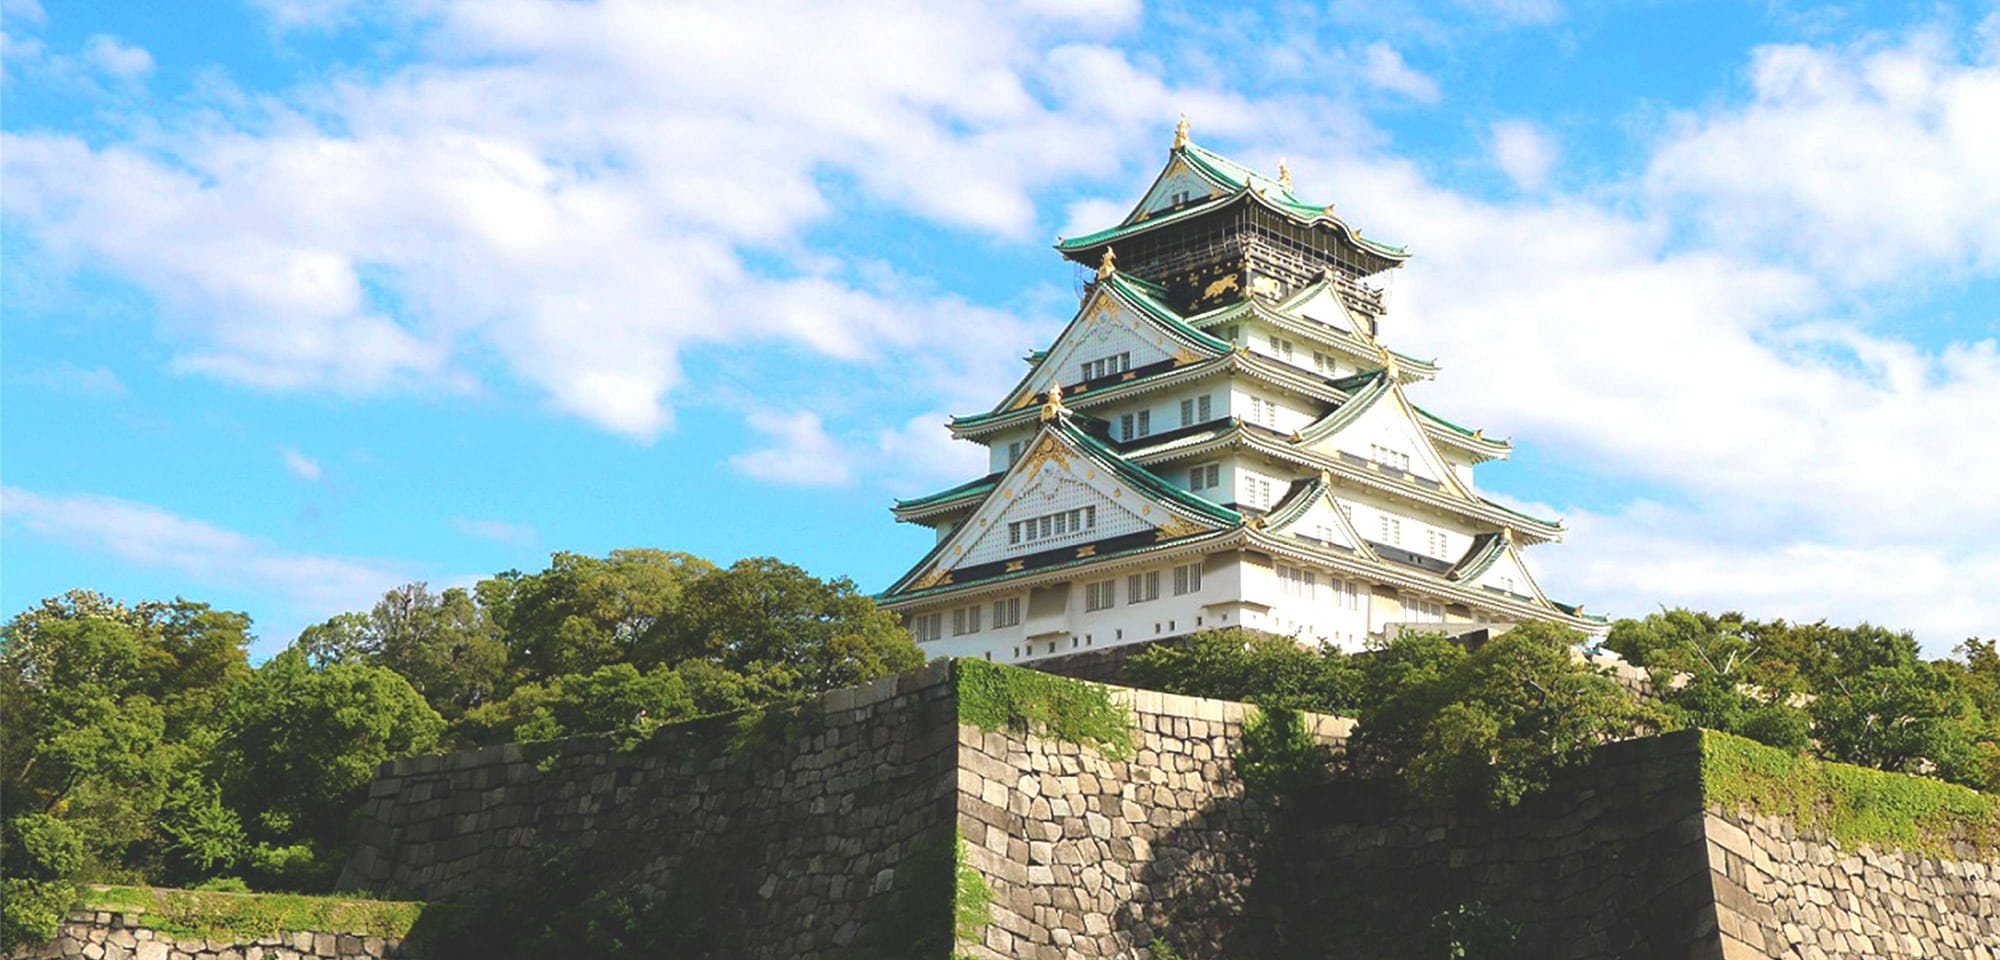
[(1235, 181), (969, 488), (1141, 477)]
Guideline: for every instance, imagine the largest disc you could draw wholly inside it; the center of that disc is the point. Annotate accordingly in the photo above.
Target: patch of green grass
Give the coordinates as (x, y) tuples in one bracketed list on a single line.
[(994, 696), (249, 916), (1854, 805)]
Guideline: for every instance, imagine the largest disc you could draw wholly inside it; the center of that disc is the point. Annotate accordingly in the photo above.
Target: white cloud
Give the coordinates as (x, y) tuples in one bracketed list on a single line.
[(498, 531), (1864, 162), (799, 452), (308, 586), (1524, 153), (299, 465), (118, 59), (573, 189), (1384, 68), (1525, 12), (66, 377)]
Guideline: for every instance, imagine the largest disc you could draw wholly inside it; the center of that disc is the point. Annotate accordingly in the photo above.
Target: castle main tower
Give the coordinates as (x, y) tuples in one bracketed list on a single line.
[(1219, 438)]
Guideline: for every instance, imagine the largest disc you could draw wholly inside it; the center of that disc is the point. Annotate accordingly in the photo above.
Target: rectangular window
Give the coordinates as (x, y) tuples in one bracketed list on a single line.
[(1006, 613), (1060, 524), (1207, 476), (1297, 582), (1348, 595), (1125, 425), (1107, 366), (1187, 579), (1283, 348), (1257, 492), (1100, 595), (965, 620), (1264, 412), (1392, 530), (1141, 587), (1196, 410), (1325, 364), (1014, 452), (926, 627)]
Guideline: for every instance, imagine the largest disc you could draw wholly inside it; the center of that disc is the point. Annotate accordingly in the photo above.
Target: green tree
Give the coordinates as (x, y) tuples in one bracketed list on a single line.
[(583, 612), (1492, 724), (41, 859), (616, 701), (104, 708), (786, 631), (1710, 672), (1908, 718), (1261, 668), (297, 746), (444, 644)]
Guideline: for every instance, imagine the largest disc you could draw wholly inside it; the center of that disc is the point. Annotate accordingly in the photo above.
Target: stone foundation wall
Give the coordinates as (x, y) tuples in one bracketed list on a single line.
[(803, 846), (1608, 863), (1090, 856), (1780, 895), (791, 845), (102, 935)]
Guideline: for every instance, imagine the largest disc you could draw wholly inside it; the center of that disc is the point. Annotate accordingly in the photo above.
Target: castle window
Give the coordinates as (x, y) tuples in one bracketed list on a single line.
[(1325, 364), (926, 627), (1187, 579), (1257, 492), (1205, 477), (1389, 458), (1062, 523), (1392, 530), (1141, 587), (1014, 452), (1100, 595), (965, 620), (1348, 595), (1135, 424), (1297, 582), (1107, 366), (1264, 412), (1283, 349), (1196, 410), (1006, 613)]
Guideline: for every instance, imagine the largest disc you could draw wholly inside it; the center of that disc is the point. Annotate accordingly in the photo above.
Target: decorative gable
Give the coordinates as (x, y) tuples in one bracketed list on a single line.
[(1059, 496), (1177, 185), (1108, 336)]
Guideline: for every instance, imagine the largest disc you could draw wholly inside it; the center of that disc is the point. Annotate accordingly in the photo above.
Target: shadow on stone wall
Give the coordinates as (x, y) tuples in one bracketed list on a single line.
[(1608, 863)]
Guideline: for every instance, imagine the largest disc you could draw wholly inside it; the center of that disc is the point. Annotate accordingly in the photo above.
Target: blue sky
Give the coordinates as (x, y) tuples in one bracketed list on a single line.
[(307, 298)]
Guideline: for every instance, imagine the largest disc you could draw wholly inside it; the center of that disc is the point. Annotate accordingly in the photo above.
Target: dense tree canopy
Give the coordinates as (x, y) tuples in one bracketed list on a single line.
[(137, 743)]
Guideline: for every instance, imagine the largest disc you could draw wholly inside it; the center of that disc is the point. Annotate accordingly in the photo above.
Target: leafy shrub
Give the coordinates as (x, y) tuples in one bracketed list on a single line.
[(1278, 754), (994, 696)]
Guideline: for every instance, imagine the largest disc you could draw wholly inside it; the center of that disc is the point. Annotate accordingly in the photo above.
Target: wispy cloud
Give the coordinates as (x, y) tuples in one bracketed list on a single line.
[(498, 531), (1384, 68), (798, 452), (1524, 153), (66, 377), (299, 465), (307, 586)]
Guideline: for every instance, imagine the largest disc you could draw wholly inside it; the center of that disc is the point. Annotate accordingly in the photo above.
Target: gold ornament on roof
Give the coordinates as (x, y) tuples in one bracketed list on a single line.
[(1181, 133), (1507, 535), (1284, 174), (1107, 264), (1053, 406)]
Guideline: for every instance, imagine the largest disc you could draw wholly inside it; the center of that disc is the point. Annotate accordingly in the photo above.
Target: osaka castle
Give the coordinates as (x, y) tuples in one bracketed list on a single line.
[(1221, 437)]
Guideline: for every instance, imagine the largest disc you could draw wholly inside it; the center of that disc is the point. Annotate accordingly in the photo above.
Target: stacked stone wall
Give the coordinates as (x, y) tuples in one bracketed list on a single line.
[(1091, 856), (1781, 895), (791, 844), (796, 846), (115, 935)]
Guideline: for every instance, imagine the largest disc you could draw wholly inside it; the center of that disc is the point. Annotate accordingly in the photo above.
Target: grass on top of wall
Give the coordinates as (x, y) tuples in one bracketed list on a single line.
[(1854, 805), (249, 916), (993, 696)]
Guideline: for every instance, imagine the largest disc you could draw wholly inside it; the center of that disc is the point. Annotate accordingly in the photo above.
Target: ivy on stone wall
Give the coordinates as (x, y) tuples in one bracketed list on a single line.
[(1853, 805), (993, 696), (1279, 755)]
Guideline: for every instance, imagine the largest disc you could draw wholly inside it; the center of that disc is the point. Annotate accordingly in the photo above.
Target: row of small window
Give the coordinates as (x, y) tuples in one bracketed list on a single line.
[(926, 627), (1437, 543), (1322, 362), (1140, 587), (1107, 366), (1389, 458), (1062, 523), (1139, 423), (1304, 584)]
